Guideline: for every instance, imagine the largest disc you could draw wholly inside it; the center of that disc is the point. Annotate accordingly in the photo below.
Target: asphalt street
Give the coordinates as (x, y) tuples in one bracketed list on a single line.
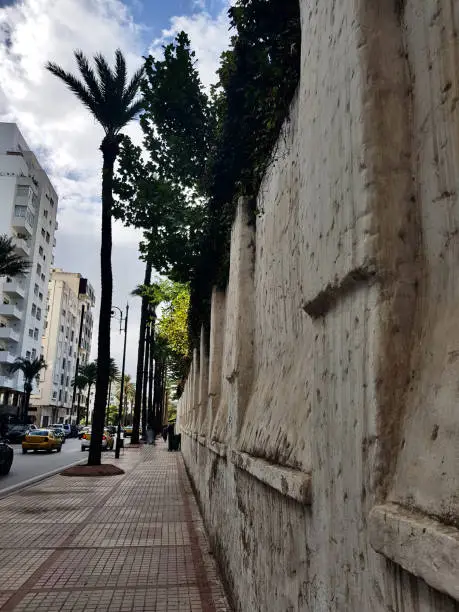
[(34, 464)]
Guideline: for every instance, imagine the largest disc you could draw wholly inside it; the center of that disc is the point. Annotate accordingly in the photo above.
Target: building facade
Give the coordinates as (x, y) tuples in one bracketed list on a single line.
[(28, 205), (66, 345)]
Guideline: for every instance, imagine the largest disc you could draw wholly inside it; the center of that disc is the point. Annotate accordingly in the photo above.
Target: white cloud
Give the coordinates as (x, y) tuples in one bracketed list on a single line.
[(208, 36), (63, 134)]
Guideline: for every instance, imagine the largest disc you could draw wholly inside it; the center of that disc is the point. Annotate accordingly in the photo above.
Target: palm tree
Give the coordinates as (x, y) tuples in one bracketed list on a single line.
[(31, 371), (11, 264), (113, 103), (89, 373), (113, 377), (140, 355), (80, 382)]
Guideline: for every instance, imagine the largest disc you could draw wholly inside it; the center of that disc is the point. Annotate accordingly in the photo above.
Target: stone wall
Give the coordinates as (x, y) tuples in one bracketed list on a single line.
[(320, 422)]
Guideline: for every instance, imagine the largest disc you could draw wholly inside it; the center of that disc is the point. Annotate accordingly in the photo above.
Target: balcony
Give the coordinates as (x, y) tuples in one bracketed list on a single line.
[(11, 311), (7, 333), (7, 357), (22, 247), (14, 288), (22, 223), (7, 382)]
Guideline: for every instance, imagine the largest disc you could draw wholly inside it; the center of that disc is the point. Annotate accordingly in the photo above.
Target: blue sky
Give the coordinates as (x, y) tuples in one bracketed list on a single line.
[(64, 135)]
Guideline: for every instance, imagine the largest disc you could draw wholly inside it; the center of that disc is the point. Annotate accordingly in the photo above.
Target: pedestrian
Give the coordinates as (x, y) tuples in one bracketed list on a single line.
[(170, 436)]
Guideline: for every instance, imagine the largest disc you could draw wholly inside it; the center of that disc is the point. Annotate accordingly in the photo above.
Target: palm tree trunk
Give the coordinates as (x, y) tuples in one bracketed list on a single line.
[(26, 407), (150, 418), (109, 148), (145, 383), (78, 407), (140, 360), (87, 404)]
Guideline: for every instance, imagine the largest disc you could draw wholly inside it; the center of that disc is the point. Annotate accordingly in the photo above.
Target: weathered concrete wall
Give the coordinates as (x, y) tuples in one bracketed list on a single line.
[(325, 452)]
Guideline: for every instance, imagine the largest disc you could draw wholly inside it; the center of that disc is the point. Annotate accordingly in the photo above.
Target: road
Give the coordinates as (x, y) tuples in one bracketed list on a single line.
[(35, 464)]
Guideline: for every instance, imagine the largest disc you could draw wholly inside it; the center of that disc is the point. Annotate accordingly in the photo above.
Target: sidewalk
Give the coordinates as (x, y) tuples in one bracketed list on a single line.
[(114, 544)]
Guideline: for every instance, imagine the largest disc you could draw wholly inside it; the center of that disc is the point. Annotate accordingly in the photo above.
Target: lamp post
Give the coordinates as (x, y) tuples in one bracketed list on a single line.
[(120, 407)]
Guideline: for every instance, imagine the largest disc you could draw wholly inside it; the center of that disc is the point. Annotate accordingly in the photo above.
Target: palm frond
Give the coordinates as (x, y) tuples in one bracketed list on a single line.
[(30, 368), (133, 88), (11, 264), (82, 93), (120, 72), (106, 76), (133, 110), (89, 76)]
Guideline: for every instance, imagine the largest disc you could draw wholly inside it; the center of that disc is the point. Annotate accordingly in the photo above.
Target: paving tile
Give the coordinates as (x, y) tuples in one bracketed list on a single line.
[(120, 567), (18, 565), (37, 534), (130, 543)]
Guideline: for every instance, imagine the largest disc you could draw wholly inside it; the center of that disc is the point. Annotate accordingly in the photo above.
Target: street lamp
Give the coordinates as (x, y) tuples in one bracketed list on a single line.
[(120, 407)]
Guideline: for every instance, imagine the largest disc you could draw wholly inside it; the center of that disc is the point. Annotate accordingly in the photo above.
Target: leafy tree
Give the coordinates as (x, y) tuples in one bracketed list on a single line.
[(11, 264), (80, 382), (31, 371), (128, 395), (88, 372), (112, 101)]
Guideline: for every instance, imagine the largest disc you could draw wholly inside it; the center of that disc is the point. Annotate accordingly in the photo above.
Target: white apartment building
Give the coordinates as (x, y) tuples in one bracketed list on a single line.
[(66, 345), (28, 207)]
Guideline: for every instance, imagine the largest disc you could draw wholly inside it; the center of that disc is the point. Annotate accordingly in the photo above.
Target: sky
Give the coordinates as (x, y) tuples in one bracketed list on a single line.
[(62, 133)]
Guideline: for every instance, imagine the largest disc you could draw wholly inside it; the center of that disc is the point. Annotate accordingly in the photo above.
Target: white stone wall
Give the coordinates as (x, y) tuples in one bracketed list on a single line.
[(326, 454)]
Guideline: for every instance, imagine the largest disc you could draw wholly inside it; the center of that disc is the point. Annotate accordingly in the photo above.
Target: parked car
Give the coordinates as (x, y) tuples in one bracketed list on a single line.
[(62, 426), (82, 431), (107, 441), (73, 431), (57, 431), (16, 433), (41, 439), (67, 429), (128, 431), (6, 457)]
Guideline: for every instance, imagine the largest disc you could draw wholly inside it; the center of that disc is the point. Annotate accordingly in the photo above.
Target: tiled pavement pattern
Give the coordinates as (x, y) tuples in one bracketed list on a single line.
[(125, 543)]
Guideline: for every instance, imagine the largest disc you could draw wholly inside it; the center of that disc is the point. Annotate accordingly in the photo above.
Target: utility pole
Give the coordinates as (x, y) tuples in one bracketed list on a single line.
[(120, 407)]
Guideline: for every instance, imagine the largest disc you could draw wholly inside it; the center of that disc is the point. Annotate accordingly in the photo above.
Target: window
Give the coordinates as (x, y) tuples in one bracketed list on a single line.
[(22, 191), (34, 309), (65, 397), (67, 381), (62, 328), (20, 211), (31, 332), (72, 336), (47, 237), (54, 395), (35, 289), (39, 314), (38, 268), (27, 354), (40, 296), (62, 379), (34, 353), (43, 232), (45, 213), (40, 250), (60, 394), (51, 201), (35, 333), (63, 363), (43, 277), (63, 313)]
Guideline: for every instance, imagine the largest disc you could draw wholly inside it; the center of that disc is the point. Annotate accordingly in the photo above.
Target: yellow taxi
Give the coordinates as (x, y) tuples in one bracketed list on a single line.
[(107, 440), (128, 430), (41, 439)]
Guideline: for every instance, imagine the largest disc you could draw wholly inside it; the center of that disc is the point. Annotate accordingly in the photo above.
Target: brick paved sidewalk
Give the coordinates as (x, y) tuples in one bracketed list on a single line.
[(119, 543)]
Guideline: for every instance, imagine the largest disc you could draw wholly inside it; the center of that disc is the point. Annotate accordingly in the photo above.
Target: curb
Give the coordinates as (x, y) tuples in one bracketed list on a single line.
[(35, 479)]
